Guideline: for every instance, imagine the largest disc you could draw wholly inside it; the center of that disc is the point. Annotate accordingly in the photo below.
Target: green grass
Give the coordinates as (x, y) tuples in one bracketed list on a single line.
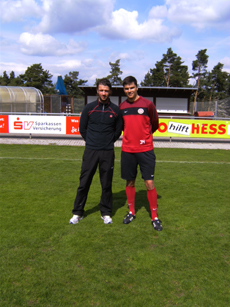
[(47, 262)]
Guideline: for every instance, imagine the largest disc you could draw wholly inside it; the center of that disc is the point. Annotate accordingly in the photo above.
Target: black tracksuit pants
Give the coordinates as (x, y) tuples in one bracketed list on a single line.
[(91, 159)]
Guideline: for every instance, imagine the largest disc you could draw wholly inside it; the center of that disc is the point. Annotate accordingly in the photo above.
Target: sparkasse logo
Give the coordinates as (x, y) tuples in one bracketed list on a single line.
[(20, 125)]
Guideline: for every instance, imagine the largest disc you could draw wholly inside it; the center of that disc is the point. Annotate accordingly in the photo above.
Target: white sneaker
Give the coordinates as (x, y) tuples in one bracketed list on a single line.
[(107, 219), (75, 219)]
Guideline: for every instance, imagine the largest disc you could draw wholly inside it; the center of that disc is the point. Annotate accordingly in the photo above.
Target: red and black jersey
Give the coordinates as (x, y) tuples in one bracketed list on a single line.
[(140, 122)]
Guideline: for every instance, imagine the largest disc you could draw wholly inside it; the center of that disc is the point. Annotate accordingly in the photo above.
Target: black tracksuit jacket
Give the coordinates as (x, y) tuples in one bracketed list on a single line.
[(100, 125)]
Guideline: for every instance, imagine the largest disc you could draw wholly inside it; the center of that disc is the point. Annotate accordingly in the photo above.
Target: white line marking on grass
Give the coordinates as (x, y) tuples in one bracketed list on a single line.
[(59, 159), (22, 158), (195, 162)]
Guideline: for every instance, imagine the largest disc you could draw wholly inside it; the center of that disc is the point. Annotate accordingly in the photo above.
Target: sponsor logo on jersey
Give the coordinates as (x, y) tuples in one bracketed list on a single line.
[(140, 111)]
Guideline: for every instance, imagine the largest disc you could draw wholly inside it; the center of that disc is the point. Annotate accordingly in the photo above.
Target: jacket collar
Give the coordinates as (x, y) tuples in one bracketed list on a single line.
[(105, 104)]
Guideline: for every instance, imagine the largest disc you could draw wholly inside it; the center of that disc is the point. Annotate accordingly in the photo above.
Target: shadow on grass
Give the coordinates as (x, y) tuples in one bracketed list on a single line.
[(141, 201), (119, 201)]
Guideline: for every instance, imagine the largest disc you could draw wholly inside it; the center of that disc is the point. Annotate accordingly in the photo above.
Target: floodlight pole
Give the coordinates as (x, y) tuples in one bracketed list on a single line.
[(216, 107)]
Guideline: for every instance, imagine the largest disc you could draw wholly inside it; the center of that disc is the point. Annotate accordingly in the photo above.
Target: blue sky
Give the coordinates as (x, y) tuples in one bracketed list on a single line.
[(85, 35)]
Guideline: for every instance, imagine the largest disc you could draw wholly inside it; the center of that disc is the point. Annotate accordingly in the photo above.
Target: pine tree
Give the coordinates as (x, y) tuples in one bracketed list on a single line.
[(15, 81), (36, 76), (155, 77), (114, 73), (169, 71), (72, 82), (4, 80), (199, 66)]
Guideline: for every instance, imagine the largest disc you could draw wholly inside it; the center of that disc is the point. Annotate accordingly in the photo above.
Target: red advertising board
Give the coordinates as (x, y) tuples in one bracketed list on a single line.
[(72, 125), (4, 124)]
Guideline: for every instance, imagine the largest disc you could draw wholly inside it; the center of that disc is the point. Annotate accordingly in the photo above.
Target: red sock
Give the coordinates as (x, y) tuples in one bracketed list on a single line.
[(130, 193), (152, 198)]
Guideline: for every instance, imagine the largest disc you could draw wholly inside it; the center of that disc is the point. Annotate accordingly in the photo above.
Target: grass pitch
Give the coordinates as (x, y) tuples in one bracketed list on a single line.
[(47, 262)]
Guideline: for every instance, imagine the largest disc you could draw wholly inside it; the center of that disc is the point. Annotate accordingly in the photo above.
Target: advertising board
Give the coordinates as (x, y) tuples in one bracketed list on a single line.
[(192, 128), (37, 124), (69, 125)]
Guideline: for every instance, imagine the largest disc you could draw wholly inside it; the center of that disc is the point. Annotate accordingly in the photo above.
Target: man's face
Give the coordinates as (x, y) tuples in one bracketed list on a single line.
[(103, 93), (131, 91)]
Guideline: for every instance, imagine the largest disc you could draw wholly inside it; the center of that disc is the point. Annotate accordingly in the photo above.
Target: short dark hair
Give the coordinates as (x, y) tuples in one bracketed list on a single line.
[(129, 80), (105, 82)]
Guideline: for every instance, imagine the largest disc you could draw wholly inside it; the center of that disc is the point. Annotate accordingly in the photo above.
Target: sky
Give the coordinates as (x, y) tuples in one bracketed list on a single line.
[(85, 35)]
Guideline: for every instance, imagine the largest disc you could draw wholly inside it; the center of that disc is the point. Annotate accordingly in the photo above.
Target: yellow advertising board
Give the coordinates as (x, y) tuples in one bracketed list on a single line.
[(192, 128)]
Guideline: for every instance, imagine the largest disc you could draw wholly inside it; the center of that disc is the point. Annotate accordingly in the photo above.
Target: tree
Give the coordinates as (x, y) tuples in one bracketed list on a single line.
[(216, 83), (228, 86), (175, 74), (170, 71), (219, 79), (71, 84), (4, 80), (147, 79), (12, 75), (199, 66), (211, 81), (155, 77), (15, 81), (114, 73), (36, 76)]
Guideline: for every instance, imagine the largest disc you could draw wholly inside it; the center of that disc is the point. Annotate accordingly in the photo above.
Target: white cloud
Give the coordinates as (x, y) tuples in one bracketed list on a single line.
[(226, 62), (197, 13), (93, 78), (88, 62), (124, 25), (46, 45), (18, 68), (218, 44), (13, 11), (159, 11), (76, 16), (124, 56), (83, 66), (73, 15), (70, 65), (119, 55), (5, 42), (110, 34)]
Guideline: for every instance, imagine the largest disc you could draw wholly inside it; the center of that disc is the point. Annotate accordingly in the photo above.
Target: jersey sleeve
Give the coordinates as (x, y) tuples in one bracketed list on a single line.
[(153, 115)]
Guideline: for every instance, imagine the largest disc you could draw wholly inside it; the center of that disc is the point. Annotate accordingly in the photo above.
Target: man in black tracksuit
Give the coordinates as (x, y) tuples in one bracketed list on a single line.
[(100, 126)]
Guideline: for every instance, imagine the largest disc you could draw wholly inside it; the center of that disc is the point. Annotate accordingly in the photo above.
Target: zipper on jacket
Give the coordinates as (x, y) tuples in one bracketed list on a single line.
[(102, 113)]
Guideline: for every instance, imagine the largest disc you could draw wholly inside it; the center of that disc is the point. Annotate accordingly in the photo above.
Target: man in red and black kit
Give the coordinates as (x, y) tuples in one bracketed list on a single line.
[(100, 126), (140, 122)]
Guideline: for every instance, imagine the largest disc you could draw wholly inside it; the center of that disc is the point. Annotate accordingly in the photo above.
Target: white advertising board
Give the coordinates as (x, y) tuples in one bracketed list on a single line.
[(37, 124)]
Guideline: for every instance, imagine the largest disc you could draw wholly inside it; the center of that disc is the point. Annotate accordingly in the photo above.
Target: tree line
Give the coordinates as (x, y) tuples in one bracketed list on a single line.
[(36, 76), (170, 71)]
